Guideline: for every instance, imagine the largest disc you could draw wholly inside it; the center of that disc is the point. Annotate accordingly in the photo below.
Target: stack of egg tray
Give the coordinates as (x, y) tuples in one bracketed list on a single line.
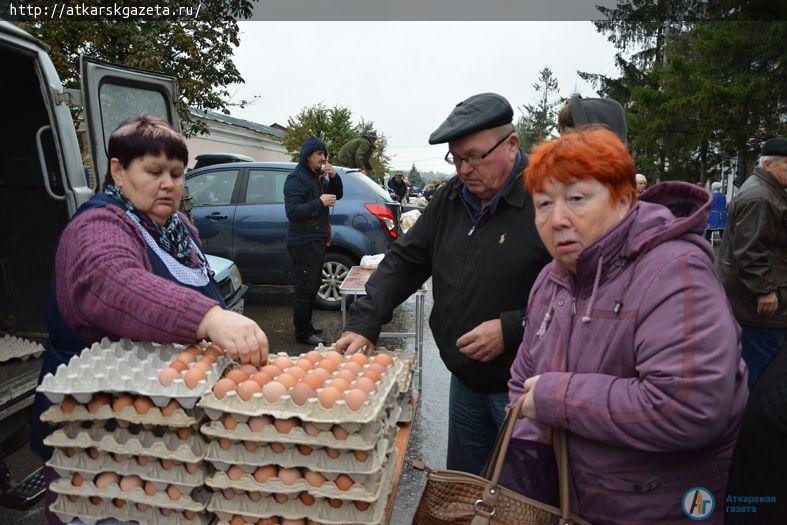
[(367, 455), (16, 348), (166, 452)]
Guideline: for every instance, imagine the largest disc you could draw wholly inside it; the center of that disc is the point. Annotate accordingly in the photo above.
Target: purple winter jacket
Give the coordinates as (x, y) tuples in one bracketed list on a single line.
[(640, 360)]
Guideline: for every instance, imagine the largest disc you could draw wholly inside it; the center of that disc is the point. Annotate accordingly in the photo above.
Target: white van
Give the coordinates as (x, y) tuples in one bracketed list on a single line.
[(42, 183)]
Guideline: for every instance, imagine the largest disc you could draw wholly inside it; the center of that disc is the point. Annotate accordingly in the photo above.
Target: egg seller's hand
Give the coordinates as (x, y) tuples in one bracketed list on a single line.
[(241, 338)]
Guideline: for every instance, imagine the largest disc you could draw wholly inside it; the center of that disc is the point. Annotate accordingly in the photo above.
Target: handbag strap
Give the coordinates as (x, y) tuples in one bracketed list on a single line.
[(485, 507)]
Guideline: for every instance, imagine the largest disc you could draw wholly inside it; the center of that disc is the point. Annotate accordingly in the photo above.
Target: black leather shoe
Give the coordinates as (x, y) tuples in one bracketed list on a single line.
[(312, 340)]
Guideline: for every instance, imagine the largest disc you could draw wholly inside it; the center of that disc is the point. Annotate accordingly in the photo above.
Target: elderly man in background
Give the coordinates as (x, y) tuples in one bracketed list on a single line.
[(753, 257), (398, 186), (477, 241)]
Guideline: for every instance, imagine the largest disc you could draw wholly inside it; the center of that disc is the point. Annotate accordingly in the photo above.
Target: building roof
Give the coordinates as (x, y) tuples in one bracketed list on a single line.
[(226, 119)]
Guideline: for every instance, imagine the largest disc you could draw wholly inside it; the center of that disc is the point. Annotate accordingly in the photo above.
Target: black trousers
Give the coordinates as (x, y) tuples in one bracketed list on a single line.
[(307, 261)]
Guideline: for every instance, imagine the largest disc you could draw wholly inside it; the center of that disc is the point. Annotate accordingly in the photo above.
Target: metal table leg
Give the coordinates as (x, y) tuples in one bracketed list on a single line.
[(344, 310)]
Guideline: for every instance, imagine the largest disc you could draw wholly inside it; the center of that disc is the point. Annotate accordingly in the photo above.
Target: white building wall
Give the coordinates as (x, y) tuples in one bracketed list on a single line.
[(226, 138)]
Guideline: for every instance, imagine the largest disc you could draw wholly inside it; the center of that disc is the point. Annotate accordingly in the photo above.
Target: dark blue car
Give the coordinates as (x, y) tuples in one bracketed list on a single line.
[(239, 211)]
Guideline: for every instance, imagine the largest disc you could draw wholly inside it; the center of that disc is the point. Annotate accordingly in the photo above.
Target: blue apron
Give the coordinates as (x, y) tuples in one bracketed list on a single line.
[(66, 343)]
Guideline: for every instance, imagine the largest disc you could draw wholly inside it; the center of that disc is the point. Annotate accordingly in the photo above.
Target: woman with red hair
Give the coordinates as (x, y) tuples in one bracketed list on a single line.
[(630, 346)]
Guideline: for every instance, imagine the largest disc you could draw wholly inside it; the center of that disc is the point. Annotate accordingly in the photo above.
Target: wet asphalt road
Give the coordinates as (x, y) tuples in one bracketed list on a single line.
[(271, 307)]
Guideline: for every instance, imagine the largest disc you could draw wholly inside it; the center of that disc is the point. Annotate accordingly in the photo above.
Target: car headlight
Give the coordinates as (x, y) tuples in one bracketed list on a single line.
[(235, 277)]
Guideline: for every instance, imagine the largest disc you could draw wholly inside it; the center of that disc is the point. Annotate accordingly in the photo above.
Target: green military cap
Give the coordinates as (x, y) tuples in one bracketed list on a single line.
[(477, 113)]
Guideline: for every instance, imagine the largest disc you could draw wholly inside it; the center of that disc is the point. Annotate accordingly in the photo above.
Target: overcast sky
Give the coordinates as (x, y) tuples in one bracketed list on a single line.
[(407, 76)]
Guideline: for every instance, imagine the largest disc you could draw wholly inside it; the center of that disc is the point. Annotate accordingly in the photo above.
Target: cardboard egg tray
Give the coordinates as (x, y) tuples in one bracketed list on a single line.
[(123, 442), (179, 418), (160, 500), (16, 348), (408, 362), (153, 471), (91, 514), (126, 367), (312, 410), (320, 511), (364, 438)]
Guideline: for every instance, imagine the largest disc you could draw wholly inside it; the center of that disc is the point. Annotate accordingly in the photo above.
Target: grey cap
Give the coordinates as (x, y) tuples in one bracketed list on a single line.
[(604, 111), (477, 113)]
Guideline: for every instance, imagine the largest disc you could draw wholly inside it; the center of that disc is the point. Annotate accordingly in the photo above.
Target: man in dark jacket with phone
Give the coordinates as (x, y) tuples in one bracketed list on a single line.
[(310, 190)]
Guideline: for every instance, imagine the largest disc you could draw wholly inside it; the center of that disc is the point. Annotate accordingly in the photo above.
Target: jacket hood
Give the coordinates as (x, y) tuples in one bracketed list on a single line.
[(309, 146), (605, 111)]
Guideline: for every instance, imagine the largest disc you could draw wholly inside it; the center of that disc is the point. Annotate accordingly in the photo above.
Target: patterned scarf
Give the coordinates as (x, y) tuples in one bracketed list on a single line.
[(174, 237)]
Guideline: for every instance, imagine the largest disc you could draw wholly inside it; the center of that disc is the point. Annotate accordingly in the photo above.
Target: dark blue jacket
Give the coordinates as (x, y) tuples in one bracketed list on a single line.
[(309, 219)]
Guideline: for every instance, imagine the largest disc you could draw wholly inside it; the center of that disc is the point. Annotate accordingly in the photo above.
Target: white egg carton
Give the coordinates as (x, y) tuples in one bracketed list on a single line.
[(320, 511), (126, 367), (363, 438), (160, 500), (312, 410), (91, 514), (153, 471), (123, 442), (15, 348), (179, 418)]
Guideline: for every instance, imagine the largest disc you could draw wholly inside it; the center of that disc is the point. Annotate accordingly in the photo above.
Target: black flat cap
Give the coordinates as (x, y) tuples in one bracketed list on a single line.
[(775, 146), (477, 113)]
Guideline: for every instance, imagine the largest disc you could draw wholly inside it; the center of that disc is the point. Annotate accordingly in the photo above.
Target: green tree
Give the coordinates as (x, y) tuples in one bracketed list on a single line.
[(414, 177), (197, 51), (538, 121)]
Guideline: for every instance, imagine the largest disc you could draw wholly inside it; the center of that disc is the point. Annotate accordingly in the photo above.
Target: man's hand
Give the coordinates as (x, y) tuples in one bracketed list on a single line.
[(484, 342), (328, 168), (240, 337), (328, 199), (350, 343), (529, 406), (767, 305)]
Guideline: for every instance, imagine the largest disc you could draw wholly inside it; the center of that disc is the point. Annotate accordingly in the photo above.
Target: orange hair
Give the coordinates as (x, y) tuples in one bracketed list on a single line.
[(593, 152)]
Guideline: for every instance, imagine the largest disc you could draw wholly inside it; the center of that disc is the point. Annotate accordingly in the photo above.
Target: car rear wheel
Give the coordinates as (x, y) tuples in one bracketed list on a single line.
[(335, 268)]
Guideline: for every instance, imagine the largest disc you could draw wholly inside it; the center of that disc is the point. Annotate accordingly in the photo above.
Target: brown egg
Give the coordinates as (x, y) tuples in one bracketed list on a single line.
[(77, 479), (355, 399), (339, 384), (150, 489), (329, 365), (329, 396), (228, 493), (284, 426), (225, 443), (223, 386), (263, 474), (273, 371), (192, 468), (214, 351), (321, 373), (72, 498), (143, 460), (269, 521), (282, 362), (306, 450), (335, 356), (306, 498), (237, 520), (180, 366), (99, 400), (304, 364), (69, 452), (203, 365), (258, 423), (289, 476), (332, 452), (343, 482), (189, 514), (229, 422), (121, 402), (186, 358), (105, 479), (365, 384), (361, 505), (208, 359), (292, 522), (380, 369), (235, 473), (251, 446), (339, 432), (167, 464), (254, 496), (249, 369), (128, 483), (95, 500), (383, 359), (281, 498), (142, 405), (193, 377), (93, 453), (297, 372), (248, 389), (360, 455), (237, 375), (314, 356), (165, 512), (310, 428), (335, 503), (346, 375), (287, 380), (119, 457), (277, 448), (184, 432), (119, 503), (314, 381), (173, 493), (170, 408), (371, 374), (68, 404), (273, 391), (352, 366), (301, 393), (261, 378), (194, 350), (359, 358), (142, 507)]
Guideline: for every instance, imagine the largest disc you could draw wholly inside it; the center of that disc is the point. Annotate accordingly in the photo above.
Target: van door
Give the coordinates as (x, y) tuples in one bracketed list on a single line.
[(112, 94)]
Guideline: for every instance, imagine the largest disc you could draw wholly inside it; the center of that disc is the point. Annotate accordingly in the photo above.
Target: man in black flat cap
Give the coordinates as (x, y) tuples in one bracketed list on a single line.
[(478, 242), (752, 259)]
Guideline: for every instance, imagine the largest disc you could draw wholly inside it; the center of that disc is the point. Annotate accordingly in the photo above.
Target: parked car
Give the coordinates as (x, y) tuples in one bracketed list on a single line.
[(209, 159), (239, 211), (230, 282)]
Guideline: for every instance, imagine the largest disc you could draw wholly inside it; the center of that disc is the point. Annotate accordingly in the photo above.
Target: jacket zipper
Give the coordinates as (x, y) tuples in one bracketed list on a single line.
[(469, 214)]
